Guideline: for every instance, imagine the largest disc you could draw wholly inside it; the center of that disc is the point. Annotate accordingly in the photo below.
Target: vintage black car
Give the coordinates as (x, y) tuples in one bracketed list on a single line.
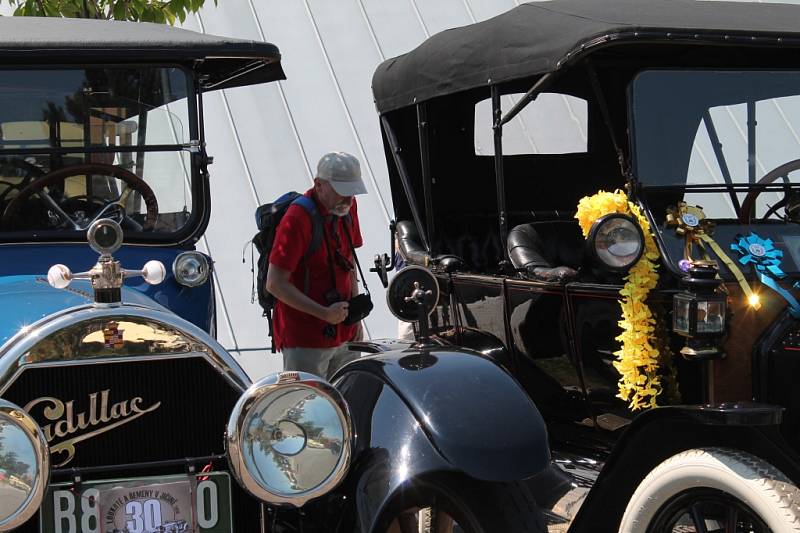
[(652, 262), (119, 411)]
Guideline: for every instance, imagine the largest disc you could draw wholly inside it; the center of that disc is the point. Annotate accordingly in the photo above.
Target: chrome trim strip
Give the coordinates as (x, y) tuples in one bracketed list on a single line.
[(106, 360), (14, 354)]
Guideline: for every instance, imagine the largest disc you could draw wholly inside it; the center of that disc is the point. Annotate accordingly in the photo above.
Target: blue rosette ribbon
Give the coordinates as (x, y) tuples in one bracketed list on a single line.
[(762, 254)]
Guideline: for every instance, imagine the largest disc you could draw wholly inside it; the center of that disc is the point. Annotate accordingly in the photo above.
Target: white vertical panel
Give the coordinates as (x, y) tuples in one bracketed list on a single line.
[(395, 25), (485, 9), (321, 113), (440, 15)]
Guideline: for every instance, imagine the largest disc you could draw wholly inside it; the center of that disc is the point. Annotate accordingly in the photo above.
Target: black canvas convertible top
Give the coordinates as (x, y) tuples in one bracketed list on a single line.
[(538, 37), (226, 62)]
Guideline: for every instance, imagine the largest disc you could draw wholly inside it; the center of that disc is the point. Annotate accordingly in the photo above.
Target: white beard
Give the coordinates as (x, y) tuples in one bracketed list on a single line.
[(341, 210)]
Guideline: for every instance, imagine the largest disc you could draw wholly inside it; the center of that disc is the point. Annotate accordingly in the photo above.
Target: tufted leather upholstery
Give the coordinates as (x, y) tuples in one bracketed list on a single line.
[(546, 244), (410, 244), (413, 252)]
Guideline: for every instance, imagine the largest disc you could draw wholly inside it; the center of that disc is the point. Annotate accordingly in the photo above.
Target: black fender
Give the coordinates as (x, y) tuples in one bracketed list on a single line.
[(419, 412), (479, 341), (662, 432)]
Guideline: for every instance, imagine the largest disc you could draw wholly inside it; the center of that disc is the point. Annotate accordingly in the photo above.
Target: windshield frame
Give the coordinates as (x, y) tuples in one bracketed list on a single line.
[(641, 189), (632, 122), (198, 219)]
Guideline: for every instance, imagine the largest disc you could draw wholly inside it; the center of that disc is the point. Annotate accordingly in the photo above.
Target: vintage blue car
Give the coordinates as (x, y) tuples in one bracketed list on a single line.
[(118, 409)]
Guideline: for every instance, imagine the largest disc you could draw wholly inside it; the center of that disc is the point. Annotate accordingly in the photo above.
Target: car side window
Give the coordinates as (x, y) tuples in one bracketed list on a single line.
[(552, 124)]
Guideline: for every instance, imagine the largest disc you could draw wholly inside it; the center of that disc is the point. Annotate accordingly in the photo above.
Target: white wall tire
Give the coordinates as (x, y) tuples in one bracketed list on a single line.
[(761, 487)]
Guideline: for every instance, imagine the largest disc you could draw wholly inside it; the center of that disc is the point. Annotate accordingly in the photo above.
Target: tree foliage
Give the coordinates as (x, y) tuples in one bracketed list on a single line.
[(161, 11)]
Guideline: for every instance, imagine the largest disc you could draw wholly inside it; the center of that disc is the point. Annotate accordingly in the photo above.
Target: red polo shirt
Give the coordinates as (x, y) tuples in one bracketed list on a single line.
[(293, 328)]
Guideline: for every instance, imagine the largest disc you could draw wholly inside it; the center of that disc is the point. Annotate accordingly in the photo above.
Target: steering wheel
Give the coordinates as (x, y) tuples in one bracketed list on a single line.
[(27, 172), (745, 215), (134, 183)]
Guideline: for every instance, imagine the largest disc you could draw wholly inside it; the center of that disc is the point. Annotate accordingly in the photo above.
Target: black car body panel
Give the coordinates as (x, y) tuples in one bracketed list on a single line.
[(468, 407), (420, 412)]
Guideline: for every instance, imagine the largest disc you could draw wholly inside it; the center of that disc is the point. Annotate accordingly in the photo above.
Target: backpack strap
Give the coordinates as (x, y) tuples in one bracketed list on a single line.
[(317, 229)]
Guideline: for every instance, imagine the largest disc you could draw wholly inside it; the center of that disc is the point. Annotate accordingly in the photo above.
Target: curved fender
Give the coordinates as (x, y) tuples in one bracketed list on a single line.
[(391, 447), (655, 435), (475, 415)]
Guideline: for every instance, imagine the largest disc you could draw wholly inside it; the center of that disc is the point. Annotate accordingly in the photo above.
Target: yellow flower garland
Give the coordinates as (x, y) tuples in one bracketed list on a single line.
[(638, 360)]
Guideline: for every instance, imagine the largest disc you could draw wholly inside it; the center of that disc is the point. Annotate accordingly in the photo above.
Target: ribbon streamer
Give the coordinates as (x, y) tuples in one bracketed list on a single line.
[(733, 269), (762, 254), (691, 222), (794, 306)]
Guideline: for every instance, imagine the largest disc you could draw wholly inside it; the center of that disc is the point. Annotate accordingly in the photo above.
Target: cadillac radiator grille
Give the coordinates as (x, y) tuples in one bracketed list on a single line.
[(66, 428), (127, 412)]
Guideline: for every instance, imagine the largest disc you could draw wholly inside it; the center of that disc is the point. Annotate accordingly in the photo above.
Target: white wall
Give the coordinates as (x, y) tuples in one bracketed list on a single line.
[(267, 139)]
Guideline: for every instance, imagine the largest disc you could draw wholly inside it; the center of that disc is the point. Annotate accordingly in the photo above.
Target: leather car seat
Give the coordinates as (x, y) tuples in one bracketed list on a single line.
[(550, 251), (414, 253)]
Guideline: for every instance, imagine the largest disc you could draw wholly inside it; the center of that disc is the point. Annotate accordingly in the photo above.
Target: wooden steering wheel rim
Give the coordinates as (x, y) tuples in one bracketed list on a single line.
[(749, 201), (134, 181)]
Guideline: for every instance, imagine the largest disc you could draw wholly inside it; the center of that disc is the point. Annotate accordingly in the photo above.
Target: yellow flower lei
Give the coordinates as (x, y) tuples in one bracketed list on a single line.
[(638, 359)]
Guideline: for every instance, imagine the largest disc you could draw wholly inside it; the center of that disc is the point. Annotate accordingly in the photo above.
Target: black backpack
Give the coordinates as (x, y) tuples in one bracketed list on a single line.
[(268, 216)]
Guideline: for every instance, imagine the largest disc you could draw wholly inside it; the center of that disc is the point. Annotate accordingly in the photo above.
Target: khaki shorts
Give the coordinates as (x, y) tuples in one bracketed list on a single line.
[(323, 362)]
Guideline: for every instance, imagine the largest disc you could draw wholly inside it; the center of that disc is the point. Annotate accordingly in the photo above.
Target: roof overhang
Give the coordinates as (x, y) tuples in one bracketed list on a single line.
[(220, 62), (541, 37)]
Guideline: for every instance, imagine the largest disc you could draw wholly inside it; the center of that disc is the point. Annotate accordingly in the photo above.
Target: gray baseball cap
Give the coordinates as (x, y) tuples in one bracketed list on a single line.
[(343, 172)]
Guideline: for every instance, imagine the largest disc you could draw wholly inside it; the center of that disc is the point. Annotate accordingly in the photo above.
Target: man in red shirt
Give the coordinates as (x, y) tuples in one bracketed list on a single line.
[(312, 292)]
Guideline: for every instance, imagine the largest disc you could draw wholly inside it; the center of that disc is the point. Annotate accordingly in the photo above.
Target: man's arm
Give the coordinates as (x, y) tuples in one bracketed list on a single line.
[(280, 286), (353, 283)]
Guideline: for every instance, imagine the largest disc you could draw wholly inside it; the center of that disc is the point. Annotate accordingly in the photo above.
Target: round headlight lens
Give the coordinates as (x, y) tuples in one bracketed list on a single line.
[(191, 269), (289, 438), (24, 466), (616, 241)]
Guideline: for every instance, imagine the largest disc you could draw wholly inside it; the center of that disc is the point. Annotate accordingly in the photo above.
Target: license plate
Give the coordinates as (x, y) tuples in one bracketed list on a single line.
[(166, 504)]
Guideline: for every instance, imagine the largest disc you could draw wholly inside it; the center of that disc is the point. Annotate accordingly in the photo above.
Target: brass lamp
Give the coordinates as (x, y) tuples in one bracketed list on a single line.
[(699, 313)]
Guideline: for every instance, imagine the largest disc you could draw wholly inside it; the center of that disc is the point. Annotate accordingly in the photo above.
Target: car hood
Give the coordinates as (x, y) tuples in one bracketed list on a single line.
[(25, 300)]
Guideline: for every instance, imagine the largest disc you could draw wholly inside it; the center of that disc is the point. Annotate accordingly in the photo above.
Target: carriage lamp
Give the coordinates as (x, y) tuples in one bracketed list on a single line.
[(616, 242), (191, 269), (699, 312)]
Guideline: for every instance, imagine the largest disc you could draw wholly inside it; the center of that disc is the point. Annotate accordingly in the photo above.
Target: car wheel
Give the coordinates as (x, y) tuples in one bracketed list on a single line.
[(456, 504), (713, 490)]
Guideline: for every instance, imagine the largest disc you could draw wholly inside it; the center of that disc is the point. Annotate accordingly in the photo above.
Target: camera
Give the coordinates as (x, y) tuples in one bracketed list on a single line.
[(332, 296), (360, 307)]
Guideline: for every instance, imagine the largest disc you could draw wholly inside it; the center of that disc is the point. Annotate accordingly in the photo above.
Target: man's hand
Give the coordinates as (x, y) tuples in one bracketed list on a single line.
[(278, 285), (336, 312)]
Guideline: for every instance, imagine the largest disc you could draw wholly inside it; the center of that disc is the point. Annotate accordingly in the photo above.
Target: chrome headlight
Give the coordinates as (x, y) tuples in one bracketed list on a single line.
[(289, 438), (191, 269), (616, 241), (24, 466)]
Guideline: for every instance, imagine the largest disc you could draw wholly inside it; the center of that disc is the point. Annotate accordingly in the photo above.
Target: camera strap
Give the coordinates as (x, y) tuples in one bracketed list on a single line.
[(355, 258)]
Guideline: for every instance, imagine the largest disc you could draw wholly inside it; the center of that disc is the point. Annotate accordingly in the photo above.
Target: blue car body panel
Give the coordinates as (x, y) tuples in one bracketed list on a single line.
[(25, 294), (26, 299)]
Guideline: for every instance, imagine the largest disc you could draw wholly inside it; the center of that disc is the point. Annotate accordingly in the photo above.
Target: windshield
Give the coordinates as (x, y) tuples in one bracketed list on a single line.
[(77, 144), (727, 141)]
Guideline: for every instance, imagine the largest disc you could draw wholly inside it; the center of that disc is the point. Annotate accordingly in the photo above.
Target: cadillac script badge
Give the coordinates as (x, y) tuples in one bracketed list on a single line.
[(68, 425)]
